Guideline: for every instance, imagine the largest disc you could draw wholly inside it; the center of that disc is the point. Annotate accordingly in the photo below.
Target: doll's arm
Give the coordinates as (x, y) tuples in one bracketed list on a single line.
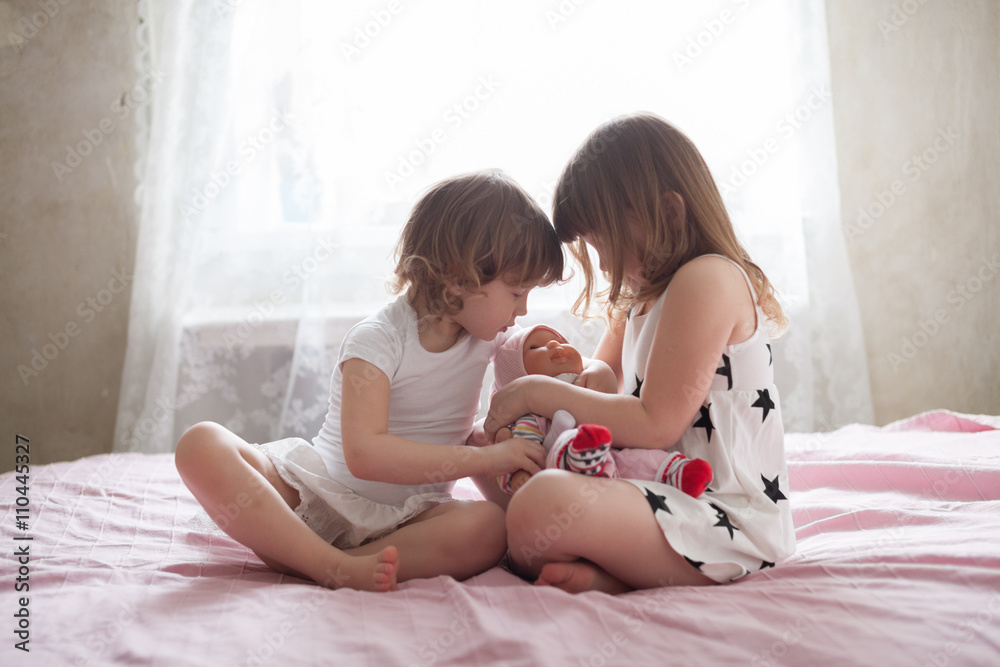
[(517, 480), (526, 427), (597, 375)]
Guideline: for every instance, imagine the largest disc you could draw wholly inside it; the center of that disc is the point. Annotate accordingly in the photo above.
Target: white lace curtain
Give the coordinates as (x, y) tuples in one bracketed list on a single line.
[(286, 142)]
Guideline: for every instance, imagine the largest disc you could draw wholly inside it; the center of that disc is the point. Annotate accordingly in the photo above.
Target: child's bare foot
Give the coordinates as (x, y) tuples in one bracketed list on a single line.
[(376, 572), (384, 576), (579, 576)]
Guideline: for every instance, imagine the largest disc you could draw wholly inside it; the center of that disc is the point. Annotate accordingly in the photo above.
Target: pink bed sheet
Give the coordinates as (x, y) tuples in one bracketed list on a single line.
[(898, 562)]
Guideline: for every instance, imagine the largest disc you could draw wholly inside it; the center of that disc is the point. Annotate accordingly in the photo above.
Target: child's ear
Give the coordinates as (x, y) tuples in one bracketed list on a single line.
[(674, 208), (454, 280)]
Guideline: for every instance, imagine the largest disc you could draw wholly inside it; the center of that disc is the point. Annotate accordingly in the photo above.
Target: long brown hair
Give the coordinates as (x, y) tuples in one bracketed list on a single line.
[(641, 165), (471, 229)]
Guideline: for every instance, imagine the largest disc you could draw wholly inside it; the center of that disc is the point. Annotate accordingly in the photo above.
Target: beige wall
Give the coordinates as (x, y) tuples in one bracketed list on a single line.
[(916, 90), (61, 241), (895, 90)]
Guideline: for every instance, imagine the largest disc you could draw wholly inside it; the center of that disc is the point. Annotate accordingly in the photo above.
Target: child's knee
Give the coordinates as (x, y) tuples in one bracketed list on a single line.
[(196, 445), (485, 528), (547, 493)]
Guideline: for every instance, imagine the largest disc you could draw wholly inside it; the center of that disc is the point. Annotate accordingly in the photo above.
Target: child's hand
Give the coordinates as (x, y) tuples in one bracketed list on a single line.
[(507, 405), (515, 454)]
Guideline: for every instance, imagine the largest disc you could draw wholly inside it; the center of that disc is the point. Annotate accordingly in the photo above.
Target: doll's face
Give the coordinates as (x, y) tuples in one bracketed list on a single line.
[(545, 354)]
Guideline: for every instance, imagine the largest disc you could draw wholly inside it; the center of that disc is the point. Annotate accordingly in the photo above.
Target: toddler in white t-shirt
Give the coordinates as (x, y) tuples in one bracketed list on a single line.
[(367, 504)]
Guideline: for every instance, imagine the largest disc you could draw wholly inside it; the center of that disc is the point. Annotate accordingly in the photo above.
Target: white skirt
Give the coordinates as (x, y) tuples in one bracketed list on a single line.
[(334, 512)]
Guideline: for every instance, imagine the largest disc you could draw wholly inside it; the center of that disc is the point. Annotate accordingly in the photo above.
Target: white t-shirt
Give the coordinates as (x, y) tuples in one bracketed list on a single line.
[(433, 396)]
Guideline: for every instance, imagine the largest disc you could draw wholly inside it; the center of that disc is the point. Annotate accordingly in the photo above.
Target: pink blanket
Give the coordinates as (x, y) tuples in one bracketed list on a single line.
[(898, 562)]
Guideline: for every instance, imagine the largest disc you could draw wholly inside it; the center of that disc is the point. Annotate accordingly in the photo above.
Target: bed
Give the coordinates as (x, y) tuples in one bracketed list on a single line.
[(898, 562)]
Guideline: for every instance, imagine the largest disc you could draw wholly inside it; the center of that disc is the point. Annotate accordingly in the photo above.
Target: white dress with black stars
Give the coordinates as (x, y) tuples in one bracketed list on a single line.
[(743, 522)]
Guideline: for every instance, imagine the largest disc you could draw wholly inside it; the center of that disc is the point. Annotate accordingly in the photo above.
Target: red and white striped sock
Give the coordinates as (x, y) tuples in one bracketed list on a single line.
[(588, 450), (689, 475)]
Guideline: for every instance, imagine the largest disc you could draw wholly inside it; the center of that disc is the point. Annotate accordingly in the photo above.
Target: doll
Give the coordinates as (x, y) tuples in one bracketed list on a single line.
[(586, 449)]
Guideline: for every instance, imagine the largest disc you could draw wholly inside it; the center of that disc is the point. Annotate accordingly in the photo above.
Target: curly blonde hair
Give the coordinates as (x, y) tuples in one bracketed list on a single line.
[(627, 166), (469, 230)]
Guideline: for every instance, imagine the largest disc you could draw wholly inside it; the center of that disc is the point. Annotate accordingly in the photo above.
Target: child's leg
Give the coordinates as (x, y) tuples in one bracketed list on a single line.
[(240, 489), (585, 521), (460, 538)]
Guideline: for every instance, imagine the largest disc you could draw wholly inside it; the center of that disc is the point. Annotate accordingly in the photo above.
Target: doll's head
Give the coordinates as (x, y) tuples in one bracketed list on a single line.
[(537, 350)]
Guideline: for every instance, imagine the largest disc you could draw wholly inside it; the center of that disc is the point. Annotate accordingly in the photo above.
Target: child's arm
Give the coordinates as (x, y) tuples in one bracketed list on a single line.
[(373, 454), (701, 311)]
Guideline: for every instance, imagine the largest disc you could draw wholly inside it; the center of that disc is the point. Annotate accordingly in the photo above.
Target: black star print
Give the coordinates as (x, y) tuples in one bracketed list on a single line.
[(770, 355), (771, 489), (723, 520), (764, 402), (705, 422), (638, 386), (695, 563), (657, 502), (726, 370), (765, 564)]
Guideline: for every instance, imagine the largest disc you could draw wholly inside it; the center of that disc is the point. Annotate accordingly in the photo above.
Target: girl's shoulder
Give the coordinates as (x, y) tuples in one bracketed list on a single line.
[(710, 274), (713, 290), (710, 263), (384, 333)]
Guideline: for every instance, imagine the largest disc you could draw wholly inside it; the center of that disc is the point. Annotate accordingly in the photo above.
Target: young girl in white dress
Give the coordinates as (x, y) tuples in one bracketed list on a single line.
[(690, 316)]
